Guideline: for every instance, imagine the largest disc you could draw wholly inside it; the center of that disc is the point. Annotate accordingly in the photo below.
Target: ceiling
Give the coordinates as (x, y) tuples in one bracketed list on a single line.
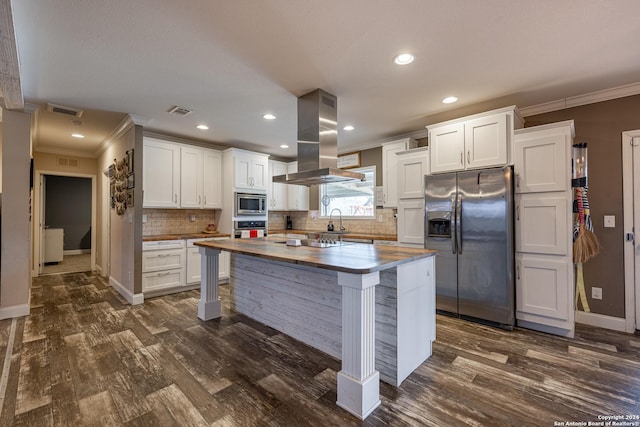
[(232, 61)]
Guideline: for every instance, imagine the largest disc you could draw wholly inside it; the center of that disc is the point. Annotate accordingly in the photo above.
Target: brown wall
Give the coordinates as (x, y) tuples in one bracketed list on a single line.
[(601, 126)]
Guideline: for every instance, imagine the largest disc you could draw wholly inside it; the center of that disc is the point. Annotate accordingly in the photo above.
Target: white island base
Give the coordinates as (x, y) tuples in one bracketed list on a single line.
[(377, 335)]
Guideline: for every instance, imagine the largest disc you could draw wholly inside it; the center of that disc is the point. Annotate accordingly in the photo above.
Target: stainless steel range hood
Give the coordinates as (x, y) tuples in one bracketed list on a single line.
[(318, 143)]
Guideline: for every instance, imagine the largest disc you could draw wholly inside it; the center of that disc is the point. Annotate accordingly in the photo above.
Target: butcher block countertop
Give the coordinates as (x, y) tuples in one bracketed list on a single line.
[(348, 235), (157, 237), (356, 258)]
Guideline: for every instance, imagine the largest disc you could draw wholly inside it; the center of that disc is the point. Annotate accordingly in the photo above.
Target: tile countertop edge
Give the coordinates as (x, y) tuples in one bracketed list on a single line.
[(156, 237), (355, 235), (383, 258)]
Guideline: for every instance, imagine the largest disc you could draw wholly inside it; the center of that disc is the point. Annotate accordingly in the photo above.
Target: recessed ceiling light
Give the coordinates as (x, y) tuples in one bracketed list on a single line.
[(450, 100), (403, 59), (77, 135), (268, 116), (348, 127), (284, 146), (202, 127)]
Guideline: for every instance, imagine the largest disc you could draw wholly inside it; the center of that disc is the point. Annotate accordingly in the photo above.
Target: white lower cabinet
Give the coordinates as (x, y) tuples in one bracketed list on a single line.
[(542, 294), (194, 261), (163, 265)]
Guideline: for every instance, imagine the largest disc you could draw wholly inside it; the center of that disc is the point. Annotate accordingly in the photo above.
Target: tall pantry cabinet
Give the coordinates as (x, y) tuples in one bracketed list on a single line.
[(543, 224)]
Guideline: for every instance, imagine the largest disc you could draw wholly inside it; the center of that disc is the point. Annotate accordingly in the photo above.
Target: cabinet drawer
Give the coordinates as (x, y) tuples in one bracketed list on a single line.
[(163, 260), (163, 280), (162, 245)]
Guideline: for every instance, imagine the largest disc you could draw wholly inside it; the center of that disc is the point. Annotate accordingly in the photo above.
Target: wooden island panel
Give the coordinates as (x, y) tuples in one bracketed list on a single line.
[(326, 297)]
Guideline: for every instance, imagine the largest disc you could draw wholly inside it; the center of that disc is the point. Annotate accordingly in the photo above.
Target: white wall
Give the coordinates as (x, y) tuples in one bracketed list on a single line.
[(122, 241), (15, 279)]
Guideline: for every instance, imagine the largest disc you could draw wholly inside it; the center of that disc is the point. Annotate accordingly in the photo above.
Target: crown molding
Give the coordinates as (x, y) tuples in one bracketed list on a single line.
[(64, 152), (419, 134), (126, 123), (576, 101)]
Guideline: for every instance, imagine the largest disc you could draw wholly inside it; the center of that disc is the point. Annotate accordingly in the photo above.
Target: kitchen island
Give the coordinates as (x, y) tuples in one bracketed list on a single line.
[(326, 297)]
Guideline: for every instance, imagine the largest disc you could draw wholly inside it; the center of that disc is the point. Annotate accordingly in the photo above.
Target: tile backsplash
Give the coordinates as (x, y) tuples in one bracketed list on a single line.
[(305, 221), (178, 221)]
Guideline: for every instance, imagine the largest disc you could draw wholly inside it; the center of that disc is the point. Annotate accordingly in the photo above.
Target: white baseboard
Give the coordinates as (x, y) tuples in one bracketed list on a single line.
[(133, 299), (15, 311), (601, 321), (76, 251)]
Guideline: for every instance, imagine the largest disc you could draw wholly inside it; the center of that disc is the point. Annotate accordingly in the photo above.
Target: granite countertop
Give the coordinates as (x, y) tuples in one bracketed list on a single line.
[(354, 235), (357, 258), (157, 237)]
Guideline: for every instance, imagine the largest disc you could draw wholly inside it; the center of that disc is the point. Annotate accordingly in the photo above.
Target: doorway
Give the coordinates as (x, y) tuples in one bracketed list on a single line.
[(64, 219), (631, 197)]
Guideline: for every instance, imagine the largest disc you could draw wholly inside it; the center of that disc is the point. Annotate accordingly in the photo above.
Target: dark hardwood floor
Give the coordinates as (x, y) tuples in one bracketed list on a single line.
[(84, 357)]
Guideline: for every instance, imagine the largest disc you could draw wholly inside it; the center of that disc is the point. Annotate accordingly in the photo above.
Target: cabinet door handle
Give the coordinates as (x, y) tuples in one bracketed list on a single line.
[(517, 180), (517, 212), (205, 200), (468, 156), (517, 271), (461, 158), (199, 200), (175, 198)]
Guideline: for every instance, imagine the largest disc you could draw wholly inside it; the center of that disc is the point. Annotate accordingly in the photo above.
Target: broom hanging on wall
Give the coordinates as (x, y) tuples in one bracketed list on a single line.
[(585, 242)]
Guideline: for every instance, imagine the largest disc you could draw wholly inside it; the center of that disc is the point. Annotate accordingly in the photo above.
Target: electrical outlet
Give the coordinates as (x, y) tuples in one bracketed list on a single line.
[(380, 218), (192, 217), (144, 218), (596, 293)]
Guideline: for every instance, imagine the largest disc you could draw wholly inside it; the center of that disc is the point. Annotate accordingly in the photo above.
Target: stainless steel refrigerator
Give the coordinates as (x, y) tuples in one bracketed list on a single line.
[(469, 220)]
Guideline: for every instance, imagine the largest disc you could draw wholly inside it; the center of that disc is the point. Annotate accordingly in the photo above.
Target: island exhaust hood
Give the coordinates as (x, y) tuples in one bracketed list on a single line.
[(318, 143)]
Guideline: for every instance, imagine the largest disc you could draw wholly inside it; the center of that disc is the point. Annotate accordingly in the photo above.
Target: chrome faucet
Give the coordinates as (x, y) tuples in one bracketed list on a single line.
[(330, 225)]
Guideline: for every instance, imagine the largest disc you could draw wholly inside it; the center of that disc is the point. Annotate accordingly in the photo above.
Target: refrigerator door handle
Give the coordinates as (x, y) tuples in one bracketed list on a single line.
[(459, 224), (454, 248)]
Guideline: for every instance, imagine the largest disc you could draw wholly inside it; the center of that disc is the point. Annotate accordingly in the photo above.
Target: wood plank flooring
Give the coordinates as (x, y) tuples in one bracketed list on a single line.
[(85, 357)]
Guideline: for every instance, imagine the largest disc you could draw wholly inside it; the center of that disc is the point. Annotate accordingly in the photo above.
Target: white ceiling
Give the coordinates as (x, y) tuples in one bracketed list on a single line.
[(232, 61)]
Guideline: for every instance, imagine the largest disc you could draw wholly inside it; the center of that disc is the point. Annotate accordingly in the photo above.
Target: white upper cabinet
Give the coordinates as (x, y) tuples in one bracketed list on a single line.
[(181, 176), (413, 165), (191, 170), (473, 142), (541, 159), (390, 169), (447, 148), (201, 175), (485, 141), (297, 195), (161, 174), (212, 179), (278, 191), (251, 170)]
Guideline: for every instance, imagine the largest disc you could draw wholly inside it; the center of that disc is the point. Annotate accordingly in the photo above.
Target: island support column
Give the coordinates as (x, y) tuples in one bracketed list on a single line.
[(358, 381), (209, 305)]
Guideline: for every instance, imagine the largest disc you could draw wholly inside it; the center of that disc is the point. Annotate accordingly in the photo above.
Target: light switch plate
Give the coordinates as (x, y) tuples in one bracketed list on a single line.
[(610, 221)]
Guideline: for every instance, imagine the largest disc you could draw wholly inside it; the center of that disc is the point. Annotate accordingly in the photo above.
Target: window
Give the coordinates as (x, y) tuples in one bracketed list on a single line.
[(354, 199)]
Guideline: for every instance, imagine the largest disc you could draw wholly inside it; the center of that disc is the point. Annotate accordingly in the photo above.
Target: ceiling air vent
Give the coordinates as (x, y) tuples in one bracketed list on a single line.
[(69, 111), (180, 111), (67, 162)]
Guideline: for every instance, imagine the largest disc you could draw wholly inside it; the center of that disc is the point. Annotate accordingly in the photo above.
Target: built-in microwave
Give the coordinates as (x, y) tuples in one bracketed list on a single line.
[(251, 204)]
